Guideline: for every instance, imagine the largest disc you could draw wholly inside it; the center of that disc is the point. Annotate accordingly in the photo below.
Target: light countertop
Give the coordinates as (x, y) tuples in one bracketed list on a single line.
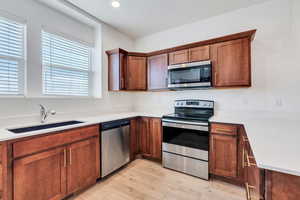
[(274, 140), (95, 119)]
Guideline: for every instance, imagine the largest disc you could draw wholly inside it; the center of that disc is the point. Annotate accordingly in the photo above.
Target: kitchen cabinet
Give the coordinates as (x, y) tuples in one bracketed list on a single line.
[(280, 186), (136, 74), (41, 176), (230, 56), (83, 166), (227, 152), (150, 137), (144, 136), (223, 155), (231, 62), (117, 61), (158, 72), (201, 53), (156, 138), (51, 166), (254, 180), (134, 147), (179, 57)]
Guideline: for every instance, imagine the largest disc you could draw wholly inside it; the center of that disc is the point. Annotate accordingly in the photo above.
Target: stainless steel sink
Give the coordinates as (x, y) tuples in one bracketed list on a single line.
[(43, 126)]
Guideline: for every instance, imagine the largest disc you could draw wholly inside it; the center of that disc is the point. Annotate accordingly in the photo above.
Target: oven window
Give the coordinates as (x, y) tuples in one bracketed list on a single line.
[(185, 137), (190, 75)]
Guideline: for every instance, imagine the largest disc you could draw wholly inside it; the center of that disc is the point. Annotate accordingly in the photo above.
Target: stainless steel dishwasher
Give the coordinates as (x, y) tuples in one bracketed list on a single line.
[(114, 145)]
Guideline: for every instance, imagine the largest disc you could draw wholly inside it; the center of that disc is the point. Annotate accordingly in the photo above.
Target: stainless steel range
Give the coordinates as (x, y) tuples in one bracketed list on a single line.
[(186, 137)]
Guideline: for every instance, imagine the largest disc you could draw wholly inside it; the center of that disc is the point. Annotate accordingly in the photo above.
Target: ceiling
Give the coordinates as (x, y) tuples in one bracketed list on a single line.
[(138, 18)]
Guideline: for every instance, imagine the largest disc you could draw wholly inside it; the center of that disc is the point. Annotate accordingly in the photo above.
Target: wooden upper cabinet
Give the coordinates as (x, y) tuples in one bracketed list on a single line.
[(158, 72), (117, 61), (179, 57), (199, 54), (223, 155), (231, 63), (155, 138), (136, 73), (41, 176), (84, 164)]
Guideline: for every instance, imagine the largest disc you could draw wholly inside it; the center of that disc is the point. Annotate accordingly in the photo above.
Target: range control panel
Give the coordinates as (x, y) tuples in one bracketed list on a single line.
[(194, 103)]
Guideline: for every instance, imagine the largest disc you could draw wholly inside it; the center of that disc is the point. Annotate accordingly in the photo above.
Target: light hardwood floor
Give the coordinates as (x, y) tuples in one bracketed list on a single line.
[(147, 180)]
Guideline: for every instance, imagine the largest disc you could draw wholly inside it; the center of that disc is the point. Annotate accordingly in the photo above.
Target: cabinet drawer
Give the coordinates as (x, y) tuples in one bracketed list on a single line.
[(42, 143), (225, 129)]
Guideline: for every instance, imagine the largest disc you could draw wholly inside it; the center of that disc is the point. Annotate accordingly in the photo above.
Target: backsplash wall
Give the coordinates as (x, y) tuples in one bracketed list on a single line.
[(275, 70)]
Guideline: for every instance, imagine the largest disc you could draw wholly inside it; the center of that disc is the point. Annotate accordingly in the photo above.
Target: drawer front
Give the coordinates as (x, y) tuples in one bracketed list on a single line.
[(42, 143), (225, 129), (186, 165), (186, 151)]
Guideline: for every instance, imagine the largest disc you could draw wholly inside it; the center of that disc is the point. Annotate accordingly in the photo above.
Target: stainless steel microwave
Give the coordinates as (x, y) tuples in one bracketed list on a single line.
[(190, 75)]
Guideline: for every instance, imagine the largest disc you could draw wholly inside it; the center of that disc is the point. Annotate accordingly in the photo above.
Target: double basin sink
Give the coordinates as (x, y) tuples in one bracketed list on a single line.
[(43, 126)]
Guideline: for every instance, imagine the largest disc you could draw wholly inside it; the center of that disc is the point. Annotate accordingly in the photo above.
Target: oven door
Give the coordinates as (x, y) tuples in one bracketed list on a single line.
[(190, 75), (186, 139)]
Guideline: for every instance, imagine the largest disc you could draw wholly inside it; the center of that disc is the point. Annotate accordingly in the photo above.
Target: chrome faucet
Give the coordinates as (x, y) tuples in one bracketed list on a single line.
[(44, 113)]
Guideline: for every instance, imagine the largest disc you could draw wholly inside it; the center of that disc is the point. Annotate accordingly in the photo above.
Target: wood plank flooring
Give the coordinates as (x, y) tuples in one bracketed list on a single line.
[(147, 180)]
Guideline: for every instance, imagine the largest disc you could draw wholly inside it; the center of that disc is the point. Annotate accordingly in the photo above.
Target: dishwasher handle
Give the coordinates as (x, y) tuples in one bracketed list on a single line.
[(114, 124)]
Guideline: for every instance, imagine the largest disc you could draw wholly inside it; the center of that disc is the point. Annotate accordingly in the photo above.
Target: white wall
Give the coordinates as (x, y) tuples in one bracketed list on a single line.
[(37, 15), (275, 65)]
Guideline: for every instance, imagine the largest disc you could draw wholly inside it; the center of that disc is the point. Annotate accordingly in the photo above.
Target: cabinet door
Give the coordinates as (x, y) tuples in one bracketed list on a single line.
[(41, 176), (254, 176), (116, 71), (223, 155), (179, 57), (136, 73), (282, 186), (155, 138), (134, 148), (84, 164), (158, 72), (144, 136), (231, 63), (199, 54)]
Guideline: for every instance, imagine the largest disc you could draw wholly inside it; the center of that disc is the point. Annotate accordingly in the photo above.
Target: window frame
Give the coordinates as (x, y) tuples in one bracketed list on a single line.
[(90, 67), (22, 67)]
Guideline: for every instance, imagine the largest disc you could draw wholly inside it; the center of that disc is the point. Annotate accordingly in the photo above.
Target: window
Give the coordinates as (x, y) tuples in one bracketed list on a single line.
[(66, 66), (12, 59)]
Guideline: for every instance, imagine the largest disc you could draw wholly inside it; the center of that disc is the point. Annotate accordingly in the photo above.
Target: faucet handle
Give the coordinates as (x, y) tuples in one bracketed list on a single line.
[(42, 107)]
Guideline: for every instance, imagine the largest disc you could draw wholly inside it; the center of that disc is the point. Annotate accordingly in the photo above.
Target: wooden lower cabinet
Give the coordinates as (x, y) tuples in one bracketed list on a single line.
[(150, 137), (281, 186), (144, 136), (83, 164), (134, 144), (155, 138), (41, 176), (223, 155)]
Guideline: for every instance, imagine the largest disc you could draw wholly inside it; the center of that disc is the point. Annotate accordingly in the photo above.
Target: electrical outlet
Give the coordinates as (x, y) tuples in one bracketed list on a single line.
[(278, 102)]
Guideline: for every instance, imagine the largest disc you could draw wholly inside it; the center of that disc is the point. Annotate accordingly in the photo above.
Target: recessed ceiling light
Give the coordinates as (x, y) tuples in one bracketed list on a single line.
[(115, 4)]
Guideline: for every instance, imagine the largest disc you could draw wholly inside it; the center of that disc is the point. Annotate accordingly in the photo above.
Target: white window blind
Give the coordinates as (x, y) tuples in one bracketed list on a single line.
[(66, 66), (11, 57)]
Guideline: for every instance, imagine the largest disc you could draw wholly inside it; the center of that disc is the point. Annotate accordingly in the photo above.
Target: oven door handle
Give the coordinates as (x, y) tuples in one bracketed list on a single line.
[(184, 122), (185, 126)]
